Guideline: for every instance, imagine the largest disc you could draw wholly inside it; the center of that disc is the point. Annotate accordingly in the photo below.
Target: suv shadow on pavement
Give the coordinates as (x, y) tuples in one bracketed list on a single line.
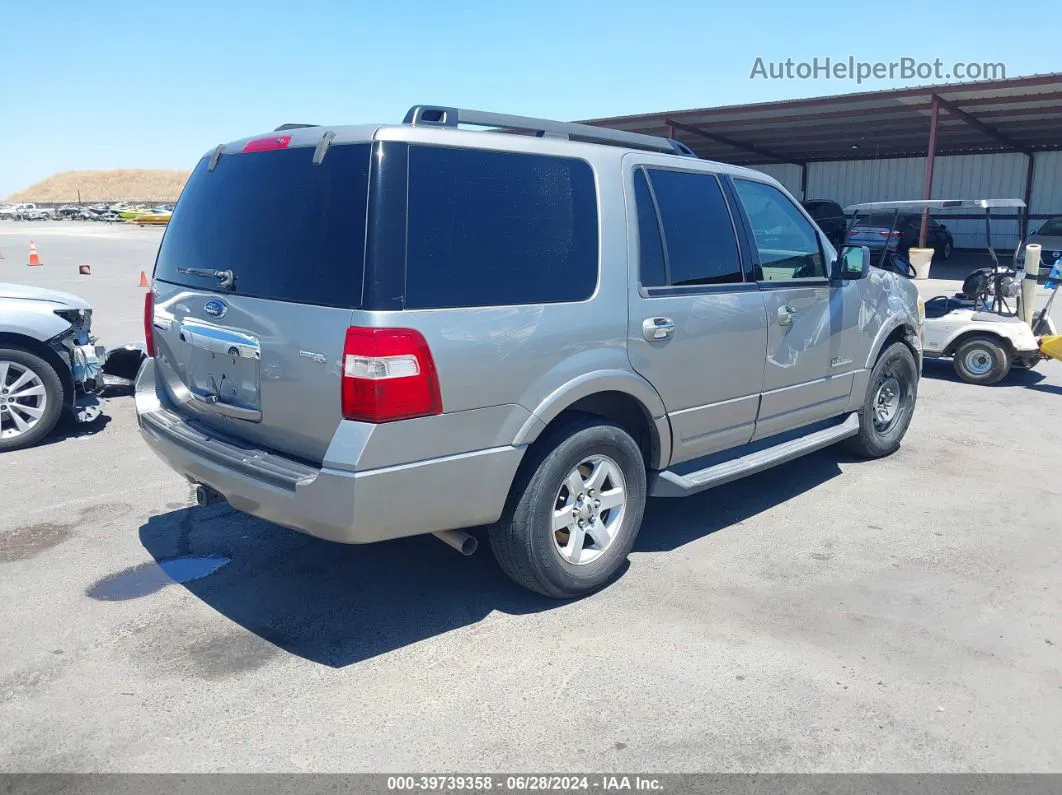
[(670, 523), (336, 604)]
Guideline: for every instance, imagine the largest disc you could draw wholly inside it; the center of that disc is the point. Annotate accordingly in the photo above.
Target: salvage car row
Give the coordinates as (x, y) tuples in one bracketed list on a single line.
[(113, 212)]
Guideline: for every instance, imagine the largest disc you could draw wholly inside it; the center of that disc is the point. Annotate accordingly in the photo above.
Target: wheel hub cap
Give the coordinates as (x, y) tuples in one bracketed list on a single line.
[(588, 510), (886, 403), (978, 362)]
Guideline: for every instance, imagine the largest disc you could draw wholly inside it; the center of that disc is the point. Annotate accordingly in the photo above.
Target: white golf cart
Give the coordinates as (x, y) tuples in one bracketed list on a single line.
[(977, 327)]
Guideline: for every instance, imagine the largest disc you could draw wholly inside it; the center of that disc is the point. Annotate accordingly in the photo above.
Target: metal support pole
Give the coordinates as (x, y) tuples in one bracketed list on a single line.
[(671, 131), (1028, 196), (927, 184), (803, 182)]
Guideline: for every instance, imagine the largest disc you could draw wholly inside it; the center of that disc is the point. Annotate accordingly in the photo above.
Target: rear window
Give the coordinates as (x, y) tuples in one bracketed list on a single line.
[(494, 228), (1052, 227), (885, 219), (288, 229), (824, 210)]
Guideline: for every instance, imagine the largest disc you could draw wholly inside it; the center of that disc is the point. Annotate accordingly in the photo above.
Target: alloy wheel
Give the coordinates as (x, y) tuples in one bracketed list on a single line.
[(588, 510), (23, 399)]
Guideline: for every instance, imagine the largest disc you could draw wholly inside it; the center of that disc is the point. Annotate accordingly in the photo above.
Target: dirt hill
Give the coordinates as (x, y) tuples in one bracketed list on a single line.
[(130, 184)]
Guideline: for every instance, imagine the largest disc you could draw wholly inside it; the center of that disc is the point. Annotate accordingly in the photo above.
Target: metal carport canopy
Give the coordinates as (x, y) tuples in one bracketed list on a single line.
[(937, 204), (1022, 114)]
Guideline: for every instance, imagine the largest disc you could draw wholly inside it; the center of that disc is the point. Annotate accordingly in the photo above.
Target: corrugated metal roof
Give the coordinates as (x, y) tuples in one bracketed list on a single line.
[(1022, 114)]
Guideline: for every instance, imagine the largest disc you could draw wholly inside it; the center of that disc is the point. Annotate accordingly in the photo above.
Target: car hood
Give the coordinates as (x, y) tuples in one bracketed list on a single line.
[(28, 293)]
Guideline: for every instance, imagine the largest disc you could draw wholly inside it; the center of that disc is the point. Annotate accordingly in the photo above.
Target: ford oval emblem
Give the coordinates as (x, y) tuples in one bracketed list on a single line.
[(215, 308)]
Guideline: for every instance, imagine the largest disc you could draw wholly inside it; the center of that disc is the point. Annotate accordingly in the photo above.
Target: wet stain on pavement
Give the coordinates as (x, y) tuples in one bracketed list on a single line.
[(25, 542), (25, 681), (147, 578), (31, 540), (188, 644), (105, 511), (226, 655)]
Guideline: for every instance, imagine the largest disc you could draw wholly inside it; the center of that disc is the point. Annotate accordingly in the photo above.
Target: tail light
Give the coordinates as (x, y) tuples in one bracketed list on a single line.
[(893, 233), (853, 232), (149, 323), (267, 144), (388, 374)]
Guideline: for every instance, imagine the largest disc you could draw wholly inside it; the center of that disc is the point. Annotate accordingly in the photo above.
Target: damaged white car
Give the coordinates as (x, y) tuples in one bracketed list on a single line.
[(48, 363)]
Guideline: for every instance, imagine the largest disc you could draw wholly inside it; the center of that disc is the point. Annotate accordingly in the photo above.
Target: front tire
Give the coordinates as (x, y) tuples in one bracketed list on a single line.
[(981, 360), (946, 253), (888, 405), (574, 511), (31, 398)]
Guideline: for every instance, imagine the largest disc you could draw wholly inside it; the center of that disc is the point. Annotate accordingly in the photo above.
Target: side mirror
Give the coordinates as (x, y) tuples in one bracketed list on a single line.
[(852, 263)]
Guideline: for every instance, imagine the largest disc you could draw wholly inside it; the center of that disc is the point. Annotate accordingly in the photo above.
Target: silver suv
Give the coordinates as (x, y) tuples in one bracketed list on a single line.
[(371, 332)]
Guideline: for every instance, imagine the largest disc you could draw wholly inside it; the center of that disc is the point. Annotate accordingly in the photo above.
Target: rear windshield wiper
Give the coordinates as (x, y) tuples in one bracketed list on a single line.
[(225, 278)]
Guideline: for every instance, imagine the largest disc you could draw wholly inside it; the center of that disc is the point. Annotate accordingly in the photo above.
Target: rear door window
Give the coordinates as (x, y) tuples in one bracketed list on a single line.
[(489, 228), (700, 244), (652, 272), (289, 230)]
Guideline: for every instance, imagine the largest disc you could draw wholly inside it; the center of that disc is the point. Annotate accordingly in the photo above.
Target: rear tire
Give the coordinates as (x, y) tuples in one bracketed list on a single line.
[(889, 403), (539, 542), (981, 360), (33, 401)]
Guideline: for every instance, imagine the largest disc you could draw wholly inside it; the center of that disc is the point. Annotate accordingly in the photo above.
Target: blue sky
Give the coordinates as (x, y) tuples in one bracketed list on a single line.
[(96, 84)]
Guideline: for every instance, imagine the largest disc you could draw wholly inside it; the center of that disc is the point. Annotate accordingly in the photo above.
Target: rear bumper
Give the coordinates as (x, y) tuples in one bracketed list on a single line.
[(353, 507)]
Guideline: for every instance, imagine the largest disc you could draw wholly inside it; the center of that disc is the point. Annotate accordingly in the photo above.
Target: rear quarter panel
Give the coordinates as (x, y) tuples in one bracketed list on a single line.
[(537, 358)]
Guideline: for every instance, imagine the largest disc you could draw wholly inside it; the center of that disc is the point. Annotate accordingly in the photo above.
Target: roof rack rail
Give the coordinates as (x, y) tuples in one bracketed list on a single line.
[(283, 127), (442, 116)]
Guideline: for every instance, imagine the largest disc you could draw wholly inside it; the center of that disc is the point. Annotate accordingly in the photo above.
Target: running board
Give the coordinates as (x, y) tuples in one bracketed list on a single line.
[(671, 484)]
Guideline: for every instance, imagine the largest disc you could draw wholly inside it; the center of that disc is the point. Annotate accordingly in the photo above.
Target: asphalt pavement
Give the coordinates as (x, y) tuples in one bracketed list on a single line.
[(828, 615)]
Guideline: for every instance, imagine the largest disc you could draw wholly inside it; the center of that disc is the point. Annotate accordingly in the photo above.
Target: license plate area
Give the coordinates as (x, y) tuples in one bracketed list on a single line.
[(222, 367)]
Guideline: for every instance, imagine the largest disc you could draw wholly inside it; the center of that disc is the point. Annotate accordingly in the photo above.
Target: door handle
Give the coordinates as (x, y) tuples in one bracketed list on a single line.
[(657, 328), (785, 315)]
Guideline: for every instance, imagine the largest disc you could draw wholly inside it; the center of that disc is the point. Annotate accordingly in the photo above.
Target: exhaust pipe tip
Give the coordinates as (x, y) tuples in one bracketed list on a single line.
[(463, 542)]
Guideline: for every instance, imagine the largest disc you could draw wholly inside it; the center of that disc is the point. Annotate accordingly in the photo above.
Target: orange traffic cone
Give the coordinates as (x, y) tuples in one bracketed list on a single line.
[(84, 270), (34, 257), (143, 279)]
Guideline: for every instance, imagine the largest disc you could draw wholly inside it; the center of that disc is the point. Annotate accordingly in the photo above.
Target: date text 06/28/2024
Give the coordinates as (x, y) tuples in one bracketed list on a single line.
[(523, 783)]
